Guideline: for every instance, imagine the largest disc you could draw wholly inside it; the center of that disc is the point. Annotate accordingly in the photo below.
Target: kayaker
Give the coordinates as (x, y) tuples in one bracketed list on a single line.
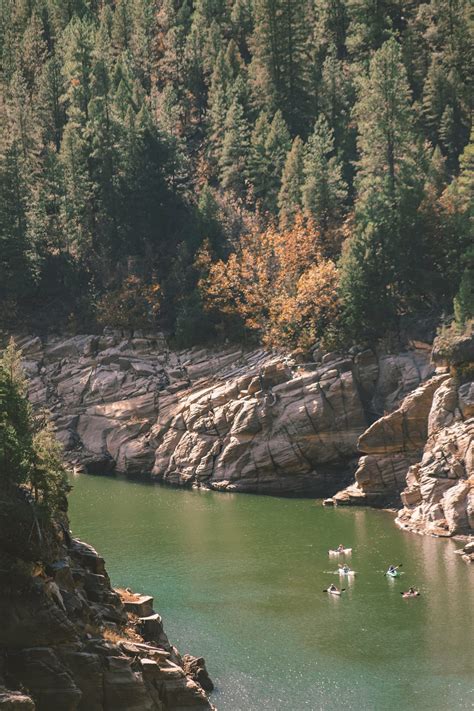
[(345, 568), (412, 591), (392, 569), (332, 588), (340, 548)]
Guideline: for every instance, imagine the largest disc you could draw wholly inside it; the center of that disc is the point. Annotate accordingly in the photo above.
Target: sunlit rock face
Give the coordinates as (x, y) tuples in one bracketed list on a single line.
[(439, 493), (229, 420), (422, 454)]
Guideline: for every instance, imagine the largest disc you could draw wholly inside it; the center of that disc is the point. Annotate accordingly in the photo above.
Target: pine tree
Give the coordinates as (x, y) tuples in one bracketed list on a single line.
[(258, 163), (241, 20), (324, 190), (289, 197), (371, 24), (330, 27), (235, 149), (16, 440), (277, 145), (336, 97), (122, 25), (227, 83), (32, 52), (381, 267), (50, 108), (77, 69), (279, 67)]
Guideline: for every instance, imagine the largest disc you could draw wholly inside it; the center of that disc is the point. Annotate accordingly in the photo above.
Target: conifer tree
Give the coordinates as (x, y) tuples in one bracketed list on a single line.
[(279, 66), (324, 190), (289, 197), (277, 145), (330, 27), (235, 149), (379, 270), (258, 160), (336, 97)]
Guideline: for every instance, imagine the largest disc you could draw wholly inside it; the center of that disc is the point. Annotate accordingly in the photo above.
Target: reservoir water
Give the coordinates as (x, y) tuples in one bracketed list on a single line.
[(238, 579)]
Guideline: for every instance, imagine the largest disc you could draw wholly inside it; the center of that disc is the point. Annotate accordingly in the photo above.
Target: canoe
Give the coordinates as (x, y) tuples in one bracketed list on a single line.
[(408, 594), (346, 551)]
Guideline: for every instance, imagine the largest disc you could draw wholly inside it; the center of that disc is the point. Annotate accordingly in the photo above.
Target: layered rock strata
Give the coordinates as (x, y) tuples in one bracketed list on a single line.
[(66, 640), (232, 420)]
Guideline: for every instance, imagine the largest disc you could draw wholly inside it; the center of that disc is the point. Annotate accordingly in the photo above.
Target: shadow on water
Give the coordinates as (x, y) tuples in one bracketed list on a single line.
[(239, 579)]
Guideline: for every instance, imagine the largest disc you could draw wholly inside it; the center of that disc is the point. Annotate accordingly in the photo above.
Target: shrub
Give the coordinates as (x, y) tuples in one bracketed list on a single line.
[(134, 305)]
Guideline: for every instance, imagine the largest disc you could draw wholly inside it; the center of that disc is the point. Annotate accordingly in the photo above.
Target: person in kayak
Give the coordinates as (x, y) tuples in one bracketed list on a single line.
[(345, 568), (392, 569), (340, 548), (332, 588)]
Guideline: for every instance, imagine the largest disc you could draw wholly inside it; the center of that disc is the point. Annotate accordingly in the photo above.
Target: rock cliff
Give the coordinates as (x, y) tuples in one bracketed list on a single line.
[(230, 420), (67, 642), (422, 453)]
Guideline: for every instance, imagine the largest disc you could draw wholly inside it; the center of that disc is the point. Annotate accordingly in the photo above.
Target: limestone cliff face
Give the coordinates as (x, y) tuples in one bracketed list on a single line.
[(66, 640), (230, 420)]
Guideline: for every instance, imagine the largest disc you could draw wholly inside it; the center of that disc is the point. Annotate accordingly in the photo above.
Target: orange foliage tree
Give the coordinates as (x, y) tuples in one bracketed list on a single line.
[(278, 282)]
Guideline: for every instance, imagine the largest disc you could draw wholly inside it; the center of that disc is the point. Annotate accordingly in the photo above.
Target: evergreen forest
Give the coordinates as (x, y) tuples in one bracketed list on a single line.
[(286, 171)]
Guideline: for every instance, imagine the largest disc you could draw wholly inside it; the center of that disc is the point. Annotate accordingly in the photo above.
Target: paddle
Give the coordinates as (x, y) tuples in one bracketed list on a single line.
[(395, 567)]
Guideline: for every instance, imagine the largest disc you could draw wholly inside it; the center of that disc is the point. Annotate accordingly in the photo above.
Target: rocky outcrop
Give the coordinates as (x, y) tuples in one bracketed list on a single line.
[(66, 639), (230, 420), (390, 446), (439, 496), (422, 453)]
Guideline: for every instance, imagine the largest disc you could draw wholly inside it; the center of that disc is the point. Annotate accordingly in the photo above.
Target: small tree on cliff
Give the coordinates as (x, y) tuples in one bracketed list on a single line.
[(15, 432), (29, 453)]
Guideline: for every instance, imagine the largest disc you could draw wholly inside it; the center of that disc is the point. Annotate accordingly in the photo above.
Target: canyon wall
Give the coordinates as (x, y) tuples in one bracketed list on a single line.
[(231, 420), (391, 428)]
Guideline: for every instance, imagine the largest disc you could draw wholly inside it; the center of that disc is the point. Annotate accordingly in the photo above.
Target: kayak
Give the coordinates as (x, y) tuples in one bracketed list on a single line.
[(393, 573), (409, 594), (333, 592), (346, 551)]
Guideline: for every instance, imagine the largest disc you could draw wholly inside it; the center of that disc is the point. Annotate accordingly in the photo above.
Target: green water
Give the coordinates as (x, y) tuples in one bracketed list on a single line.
[(239, 580)]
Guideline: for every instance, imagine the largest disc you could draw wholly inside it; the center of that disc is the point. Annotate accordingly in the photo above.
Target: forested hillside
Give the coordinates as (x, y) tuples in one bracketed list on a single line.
[(292, 169)]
